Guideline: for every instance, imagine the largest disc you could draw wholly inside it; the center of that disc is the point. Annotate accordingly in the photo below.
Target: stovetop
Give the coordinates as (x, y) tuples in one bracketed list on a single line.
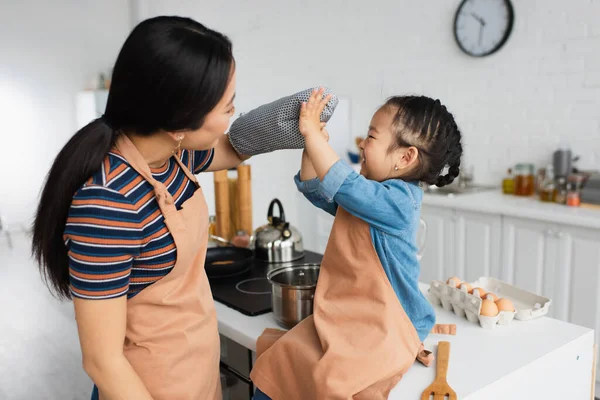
[(250, 293)]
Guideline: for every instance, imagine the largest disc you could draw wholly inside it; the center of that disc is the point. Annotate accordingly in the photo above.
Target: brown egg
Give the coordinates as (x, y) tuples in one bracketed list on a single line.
[(491, 296), (466, 286), (488, 308), (479, 290), (454, 281), (505, 305)]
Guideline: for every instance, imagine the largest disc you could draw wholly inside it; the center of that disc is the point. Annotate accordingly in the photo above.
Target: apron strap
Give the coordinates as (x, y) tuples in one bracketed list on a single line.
[(134, 158), (185, 169), (137, 162)]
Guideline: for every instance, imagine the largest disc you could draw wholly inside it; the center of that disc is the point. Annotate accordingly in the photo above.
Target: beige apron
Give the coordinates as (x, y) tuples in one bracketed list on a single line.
[(172, 338), (358, 343)]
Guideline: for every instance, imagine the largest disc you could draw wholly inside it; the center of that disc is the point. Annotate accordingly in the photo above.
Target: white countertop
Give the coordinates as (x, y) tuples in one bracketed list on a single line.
[(479, 358), (494, 202)]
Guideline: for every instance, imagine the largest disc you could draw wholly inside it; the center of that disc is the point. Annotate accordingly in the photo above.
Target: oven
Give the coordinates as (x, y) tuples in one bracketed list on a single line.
[(236, 364)]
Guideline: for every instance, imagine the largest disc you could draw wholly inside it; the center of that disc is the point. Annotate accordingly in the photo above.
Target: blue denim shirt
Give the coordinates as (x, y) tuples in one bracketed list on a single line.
[(392, 210)]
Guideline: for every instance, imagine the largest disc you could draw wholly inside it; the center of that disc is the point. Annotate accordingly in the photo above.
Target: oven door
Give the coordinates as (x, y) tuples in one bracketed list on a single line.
[(234, 386)]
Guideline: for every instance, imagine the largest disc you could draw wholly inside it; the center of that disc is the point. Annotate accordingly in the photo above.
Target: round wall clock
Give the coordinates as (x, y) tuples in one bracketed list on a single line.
[(481, 27)]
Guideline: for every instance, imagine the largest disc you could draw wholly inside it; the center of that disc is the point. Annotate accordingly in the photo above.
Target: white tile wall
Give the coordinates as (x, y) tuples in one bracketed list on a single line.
[(512, 106)]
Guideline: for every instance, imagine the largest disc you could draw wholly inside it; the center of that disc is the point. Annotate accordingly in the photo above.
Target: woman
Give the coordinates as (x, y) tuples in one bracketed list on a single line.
[(121, 227)]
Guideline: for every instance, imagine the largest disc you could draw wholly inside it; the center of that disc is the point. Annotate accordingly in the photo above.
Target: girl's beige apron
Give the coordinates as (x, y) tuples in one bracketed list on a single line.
[(172, 338), (358, 343)]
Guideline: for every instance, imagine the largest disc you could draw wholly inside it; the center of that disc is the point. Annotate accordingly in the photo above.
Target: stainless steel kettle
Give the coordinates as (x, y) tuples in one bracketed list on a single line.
[(277, 241)]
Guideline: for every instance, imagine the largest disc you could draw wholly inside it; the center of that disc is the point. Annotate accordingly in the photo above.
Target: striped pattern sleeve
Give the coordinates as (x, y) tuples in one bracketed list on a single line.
[(102, 235), (202, 159)]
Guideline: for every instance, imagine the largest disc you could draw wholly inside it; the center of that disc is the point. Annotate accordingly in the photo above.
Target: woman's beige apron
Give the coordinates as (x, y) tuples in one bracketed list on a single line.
[(172, 338), (358, 343)]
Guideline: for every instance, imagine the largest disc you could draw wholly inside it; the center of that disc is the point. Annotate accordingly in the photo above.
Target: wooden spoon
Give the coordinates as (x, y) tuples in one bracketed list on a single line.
[(440, 388)]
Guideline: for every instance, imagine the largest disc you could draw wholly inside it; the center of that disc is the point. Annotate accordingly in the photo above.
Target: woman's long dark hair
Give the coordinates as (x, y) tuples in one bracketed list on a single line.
[(170, 73)]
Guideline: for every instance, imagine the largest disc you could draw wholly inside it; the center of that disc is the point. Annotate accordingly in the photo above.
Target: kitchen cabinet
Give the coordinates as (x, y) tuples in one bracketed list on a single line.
[(460, 243), (556, 260), (478, 245), (580, 253), (438, 261), (529, 258)]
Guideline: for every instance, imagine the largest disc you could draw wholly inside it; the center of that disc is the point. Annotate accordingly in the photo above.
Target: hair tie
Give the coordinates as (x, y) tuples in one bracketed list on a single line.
[(106, 122)]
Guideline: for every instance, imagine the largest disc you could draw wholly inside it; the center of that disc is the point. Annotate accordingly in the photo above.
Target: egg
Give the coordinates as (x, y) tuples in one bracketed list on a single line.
[(465, 286), (491, 296), (454, 282), (479, 290), (488, 308), (505, 305)]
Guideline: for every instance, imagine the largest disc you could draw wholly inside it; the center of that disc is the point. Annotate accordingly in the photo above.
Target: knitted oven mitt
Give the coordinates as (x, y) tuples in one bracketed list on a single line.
[(274, 126)]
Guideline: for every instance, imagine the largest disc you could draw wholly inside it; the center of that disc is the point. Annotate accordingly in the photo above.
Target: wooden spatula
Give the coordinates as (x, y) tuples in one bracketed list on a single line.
[(440, 388)]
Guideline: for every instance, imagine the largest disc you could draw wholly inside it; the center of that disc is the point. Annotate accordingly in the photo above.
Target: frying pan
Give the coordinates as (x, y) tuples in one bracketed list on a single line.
[(225, 262)]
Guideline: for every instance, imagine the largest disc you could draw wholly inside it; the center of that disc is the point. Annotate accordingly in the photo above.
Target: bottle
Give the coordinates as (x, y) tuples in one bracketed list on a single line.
[(212, 225), (561, 190), (573, 195), (548, 193), (508, 183)]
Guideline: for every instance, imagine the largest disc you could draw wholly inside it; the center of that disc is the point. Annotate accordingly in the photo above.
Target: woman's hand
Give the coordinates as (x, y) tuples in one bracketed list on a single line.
[(310, 114)]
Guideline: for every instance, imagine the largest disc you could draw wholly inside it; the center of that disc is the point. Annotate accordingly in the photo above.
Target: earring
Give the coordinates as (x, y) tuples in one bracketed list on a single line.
[(178, 148), (395, 168)]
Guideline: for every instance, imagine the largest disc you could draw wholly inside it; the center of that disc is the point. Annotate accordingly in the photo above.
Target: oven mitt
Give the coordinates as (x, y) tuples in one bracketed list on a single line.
[(274, 126)]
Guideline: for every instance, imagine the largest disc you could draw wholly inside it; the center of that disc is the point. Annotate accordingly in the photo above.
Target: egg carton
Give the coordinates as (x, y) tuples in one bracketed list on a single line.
[(527, 305)]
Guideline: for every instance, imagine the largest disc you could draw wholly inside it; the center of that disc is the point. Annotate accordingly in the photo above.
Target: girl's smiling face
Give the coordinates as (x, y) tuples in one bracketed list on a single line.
[(381, 159), (377, 162)]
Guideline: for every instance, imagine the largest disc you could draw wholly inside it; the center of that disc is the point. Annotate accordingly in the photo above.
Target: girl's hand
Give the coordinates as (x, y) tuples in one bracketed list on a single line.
[(324, 131), (310, 113)]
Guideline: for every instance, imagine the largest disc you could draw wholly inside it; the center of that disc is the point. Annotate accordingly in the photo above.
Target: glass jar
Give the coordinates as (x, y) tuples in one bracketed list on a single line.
[(524, 181), (548, 192)]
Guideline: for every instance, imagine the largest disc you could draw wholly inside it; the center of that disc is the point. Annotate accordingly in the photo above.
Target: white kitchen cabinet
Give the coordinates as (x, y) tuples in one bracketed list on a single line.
[(478, 245), (580, 254), (439, 255), (460, 243), (529, 249)]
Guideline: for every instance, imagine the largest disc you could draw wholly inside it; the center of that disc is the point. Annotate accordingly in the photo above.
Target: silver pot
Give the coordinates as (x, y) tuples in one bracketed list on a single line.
[(277, 241), (293, 293)]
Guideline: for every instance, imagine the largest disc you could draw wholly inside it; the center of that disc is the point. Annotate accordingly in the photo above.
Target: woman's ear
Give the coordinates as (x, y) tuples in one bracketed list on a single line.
[(176, 136)]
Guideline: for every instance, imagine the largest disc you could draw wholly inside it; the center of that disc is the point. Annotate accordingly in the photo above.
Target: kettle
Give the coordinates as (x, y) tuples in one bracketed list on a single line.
[(277, 241)]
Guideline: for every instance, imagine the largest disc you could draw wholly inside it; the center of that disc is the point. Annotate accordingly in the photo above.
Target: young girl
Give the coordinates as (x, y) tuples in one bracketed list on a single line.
[(370, 318)]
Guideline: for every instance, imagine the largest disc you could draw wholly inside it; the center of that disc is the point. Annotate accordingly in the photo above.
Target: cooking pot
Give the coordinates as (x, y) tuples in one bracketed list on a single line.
[(293, 292), (277, 241)]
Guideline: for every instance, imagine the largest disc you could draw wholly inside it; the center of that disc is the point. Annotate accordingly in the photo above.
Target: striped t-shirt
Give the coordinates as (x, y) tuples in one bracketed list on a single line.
[(115, 234)]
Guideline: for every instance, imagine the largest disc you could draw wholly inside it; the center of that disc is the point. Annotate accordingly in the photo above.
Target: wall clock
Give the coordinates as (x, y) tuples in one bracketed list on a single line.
[(481, 27)]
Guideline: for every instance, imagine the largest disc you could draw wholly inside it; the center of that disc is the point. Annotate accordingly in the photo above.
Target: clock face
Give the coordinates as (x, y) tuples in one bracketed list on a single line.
[(481, 27)]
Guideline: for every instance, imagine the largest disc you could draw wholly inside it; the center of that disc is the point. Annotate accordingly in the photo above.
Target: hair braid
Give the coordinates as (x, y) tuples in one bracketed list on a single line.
[(426, 124)]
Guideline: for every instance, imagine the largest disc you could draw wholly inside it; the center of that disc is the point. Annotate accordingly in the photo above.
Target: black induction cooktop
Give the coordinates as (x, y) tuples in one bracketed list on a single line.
[(250, 293)]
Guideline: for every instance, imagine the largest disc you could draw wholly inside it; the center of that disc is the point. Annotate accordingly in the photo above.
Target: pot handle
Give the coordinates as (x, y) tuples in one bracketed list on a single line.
[(276, 220)]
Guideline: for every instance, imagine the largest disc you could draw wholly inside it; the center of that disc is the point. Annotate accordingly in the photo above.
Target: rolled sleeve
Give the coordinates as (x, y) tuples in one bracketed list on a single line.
[(310, 186), (334, 179)]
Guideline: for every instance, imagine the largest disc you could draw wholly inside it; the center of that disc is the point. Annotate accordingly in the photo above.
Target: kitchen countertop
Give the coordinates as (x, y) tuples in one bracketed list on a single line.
[(494, 202), (551, 358)]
